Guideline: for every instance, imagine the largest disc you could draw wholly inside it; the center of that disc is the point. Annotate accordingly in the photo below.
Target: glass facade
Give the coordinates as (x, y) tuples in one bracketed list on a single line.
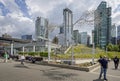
[(102, 25), (118, 30), (83, 38), (68, 28), (61, 29), (76, 36), (41, 28), (26, 37), (113, 31)]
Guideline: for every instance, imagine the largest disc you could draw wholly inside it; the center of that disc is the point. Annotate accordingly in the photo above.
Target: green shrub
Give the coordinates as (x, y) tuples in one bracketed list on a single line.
[(31, 53), (44, 54), (23, 53)]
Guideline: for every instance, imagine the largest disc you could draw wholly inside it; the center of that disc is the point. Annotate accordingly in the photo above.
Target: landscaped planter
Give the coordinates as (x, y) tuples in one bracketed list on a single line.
[(83, 68)]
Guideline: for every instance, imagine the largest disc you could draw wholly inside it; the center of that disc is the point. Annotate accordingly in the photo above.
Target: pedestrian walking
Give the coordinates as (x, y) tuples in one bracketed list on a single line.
[(5, 57), (22, 58), (100, 62), (116, 62), (104, 66)]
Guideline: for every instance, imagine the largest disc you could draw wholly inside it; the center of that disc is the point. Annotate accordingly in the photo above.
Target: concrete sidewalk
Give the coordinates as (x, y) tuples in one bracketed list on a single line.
[(33, 72)]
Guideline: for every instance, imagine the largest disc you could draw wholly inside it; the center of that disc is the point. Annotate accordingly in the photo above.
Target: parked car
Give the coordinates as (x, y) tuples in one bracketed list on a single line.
[(33, 59)]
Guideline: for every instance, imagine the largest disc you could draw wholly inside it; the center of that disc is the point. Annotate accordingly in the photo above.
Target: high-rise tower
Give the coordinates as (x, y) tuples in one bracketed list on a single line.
[(68, 26), (41, 28), (102, 25)]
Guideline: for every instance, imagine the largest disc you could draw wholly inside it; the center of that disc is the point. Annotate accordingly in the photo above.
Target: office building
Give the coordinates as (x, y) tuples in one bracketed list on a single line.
[(68, 26), (118, 34), (41, 28), (76, 36), (113, 34), (84, 38), (88, 40), (26, 37), (61, 36), (113, 31), (79, 38), (61, 29), (102, 25), (118, 31)]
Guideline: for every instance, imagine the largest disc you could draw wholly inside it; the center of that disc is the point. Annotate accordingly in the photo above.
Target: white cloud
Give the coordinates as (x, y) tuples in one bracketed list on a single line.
[(116, 18), (116, 15), (113, 3), (42, 7), (19, 17), (14, 23)]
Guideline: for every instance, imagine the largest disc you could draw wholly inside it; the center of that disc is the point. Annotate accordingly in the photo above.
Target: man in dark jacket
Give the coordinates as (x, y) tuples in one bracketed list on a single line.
[(104, 66), (116, 62)]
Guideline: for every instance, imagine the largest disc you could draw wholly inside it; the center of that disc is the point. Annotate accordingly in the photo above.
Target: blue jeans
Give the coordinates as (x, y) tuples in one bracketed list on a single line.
[(103, 70)]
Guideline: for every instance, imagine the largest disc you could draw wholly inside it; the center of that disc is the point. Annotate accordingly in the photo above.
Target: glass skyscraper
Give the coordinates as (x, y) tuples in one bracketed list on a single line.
[(83, 37), (102, 25), (41, 28), (68, 26), (76, 36)]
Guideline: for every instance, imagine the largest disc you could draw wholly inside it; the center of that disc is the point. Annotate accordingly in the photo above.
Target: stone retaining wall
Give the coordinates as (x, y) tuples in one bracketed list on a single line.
[(87, 69)]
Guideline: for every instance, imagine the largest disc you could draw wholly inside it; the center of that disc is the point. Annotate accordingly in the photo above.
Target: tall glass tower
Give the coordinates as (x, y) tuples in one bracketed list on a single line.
[(41, 28), (102, 25), (76, 36), (68, 26)]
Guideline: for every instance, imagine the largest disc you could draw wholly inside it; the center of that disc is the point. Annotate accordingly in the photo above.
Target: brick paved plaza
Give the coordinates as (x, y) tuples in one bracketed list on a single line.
[(14, 71)]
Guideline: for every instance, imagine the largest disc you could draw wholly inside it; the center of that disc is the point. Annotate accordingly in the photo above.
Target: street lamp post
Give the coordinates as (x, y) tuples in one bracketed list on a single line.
[(12, 48), (116, 36), (49, 50), (106, 51), (23, 49), (72, 53), (93, 52)]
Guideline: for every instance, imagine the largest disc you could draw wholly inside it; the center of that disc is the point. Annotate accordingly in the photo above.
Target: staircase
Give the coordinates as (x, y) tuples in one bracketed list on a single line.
[(63, 50)]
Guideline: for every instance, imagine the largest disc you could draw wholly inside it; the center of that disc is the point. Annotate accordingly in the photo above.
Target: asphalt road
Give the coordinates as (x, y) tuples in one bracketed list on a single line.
[(14, 71)]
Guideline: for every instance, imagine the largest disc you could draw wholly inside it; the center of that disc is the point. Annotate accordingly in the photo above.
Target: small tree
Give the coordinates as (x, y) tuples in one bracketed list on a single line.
[(116, 48), (55, 40), (110, 47)]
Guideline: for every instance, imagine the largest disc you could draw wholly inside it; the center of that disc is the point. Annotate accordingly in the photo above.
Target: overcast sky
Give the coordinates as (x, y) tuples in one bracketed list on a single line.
[(17, 17)]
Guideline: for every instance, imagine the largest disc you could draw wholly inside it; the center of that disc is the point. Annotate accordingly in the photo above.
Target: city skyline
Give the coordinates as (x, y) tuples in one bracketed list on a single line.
[(17, 16)]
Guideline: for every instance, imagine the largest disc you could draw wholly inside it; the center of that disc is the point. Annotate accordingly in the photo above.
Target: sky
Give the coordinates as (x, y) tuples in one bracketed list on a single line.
[(17, 17)]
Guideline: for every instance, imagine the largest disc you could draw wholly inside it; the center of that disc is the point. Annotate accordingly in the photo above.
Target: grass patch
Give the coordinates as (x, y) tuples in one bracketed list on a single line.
[(82, 51)]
